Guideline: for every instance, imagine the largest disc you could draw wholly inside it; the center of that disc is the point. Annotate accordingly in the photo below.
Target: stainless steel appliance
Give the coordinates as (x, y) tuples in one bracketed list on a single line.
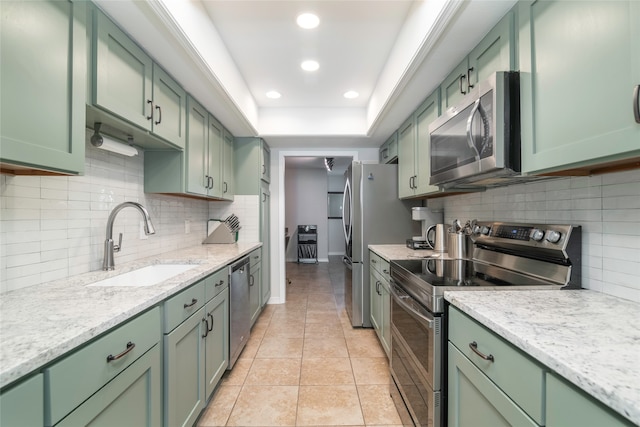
[(478, 141), (505, 256), (239, 310), (371, 214)]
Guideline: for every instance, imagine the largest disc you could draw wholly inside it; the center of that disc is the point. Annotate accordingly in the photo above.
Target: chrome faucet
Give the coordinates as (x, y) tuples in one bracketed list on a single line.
[(109, 247)]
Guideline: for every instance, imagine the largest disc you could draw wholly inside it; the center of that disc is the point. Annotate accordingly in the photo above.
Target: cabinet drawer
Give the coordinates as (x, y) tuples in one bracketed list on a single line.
[(23, 405), (375, 261), (381, 265), (76, 377), (256, 257), (177, 309), (215, 283), (517, 375)]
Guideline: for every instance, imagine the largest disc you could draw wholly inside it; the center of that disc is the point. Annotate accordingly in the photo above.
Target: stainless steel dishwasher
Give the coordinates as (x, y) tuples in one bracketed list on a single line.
[(239, 313)]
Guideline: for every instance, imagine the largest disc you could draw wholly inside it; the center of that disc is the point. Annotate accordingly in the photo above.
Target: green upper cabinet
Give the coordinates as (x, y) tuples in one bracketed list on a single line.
[(43, 86), (251, 164), (580, 65), (389, 150), (201, 169), (228, 178), (266, 163), (428, 111), (130, 86), (414, 163), (406, 159), (496, 52)]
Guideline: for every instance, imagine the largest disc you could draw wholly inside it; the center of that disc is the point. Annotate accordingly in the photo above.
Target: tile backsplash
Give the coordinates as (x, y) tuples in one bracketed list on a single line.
[(606, 206), (54, 227)]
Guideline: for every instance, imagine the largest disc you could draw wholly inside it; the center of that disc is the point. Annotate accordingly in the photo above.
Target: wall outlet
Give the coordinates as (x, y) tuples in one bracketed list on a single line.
[(187, 226), (143, 236)]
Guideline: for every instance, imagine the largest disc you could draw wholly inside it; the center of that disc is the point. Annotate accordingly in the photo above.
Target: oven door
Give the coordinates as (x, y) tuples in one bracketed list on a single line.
[(416, 358)]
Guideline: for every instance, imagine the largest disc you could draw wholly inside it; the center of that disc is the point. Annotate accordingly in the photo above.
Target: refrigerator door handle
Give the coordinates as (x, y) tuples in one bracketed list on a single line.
[(347, 195)]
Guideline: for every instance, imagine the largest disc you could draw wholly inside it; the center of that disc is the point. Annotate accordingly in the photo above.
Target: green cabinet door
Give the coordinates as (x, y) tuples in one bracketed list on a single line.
[(568, 406), (580, 63), (406, 159), (389, 150), (228, 180), (215, 157), (169, 108), (217, 340), (23, 404), (375, 299), (123, 74), (474, 400), (428, 111), (197, 181), (265, 238), (255, 278), (133, 398), (496, 51), (455, 86), (266, 163), (43, 67), (385, 314), (184, 374)]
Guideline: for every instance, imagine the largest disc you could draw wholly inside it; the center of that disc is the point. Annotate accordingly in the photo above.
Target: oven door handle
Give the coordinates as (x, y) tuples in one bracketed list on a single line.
[(400, 296)]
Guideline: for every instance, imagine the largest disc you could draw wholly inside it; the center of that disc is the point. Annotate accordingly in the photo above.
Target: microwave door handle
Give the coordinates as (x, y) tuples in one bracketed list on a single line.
[(470, 143)]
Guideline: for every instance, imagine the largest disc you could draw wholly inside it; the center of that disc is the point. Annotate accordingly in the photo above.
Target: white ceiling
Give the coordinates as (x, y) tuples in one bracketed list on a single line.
[(228, 53)]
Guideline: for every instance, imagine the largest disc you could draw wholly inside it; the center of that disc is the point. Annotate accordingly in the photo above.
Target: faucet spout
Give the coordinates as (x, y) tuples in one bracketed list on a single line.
[(109, 247)]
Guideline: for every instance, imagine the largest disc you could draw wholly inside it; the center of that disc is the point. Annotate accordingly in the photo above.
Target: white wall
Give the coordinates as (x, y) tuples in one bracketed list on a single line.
[(606, 206), (54, 227), (306, 203)]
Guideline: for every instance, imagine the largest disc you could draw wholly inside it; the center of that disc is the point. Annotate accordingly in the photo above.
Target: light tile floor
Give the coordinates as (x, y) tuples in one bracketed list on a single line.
[(304, 364)]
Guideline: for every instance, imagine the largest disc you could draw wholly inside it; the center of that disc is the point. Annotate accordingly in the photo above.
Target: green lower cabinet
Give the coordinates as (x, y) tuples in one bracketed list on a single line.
[(385, 325), (217, 340), (43, 67), (579, 114), (474, 400), (23, 404), (133, 398), (567, 406), (255, 290), (380, 299), (184, 371)]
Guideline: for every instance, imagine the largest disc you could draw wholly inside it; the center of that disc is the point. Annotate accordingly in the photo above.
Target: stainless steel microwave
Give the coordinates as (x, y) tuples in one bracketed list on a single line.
[(477, 142)]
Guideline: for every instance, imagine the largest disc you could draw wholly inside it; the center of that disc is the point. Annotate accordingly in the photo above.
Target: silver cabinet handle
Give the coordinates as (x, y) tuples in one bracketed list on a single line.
[(474, 346), (636, 103), (130, 346)]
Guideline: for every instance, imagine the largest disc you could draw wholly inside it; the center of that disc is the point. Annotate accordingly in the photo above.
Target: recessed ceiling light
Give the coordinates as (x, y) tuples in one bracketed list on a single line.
[(273, 94), (310, 65), (351, 94), (308, 21)]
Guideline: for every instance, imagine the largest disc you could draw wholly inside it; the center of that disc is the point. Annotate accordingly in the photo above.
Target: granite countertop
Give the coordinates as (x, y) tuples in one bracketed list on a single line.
[(38, 324), (589, 338), (390, 252)]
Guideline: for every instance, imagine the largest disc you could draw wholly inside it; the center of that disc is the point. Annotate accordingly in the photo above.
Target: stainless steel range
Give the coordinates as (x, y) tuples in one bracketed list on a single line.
[(505, 256)]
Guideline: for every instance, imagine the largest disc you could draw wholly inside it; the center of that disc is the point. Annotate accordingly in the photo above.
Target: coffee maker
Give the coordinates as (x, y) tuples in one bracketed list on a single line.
[(428, 217)]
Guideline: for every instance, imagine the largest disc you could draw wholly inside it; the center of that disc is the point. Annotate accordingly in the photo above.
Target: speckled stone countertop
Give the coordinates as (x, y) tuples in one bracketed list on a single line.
[(41, 323), (589, 338), (390, 252)]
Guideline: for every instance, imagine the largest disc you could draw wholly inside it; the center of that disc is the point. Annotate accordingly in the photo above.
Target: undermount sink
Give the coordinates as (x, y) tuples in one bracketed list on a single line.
[(145, 276)]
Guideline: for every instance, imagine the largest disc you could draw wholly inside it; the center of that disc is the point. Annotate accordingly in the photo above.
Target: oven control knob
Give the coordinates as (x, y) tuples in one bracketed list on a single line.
[(476, 229), (537, 234), (553, 236), (485, 230)]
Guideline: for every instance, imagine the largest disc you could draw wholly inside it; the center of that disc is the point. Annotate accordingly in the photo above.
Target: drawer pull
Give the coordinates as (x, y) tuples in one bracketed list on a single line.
[(193, 302), (385, 271), (130, 346), (210, 327), (474, 346), (206, 328), (220, 283)]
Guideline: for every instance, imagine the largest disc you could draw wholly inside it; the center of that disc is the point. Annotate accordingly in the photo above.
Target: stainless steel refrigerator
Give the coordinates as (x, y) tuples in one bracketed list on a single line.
[(371, 214)]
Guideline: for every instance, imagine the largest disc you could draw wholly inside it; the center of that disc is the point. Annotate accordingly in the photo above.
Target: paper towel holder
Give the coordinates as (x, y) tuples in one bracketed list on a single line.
[(106, 143)]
